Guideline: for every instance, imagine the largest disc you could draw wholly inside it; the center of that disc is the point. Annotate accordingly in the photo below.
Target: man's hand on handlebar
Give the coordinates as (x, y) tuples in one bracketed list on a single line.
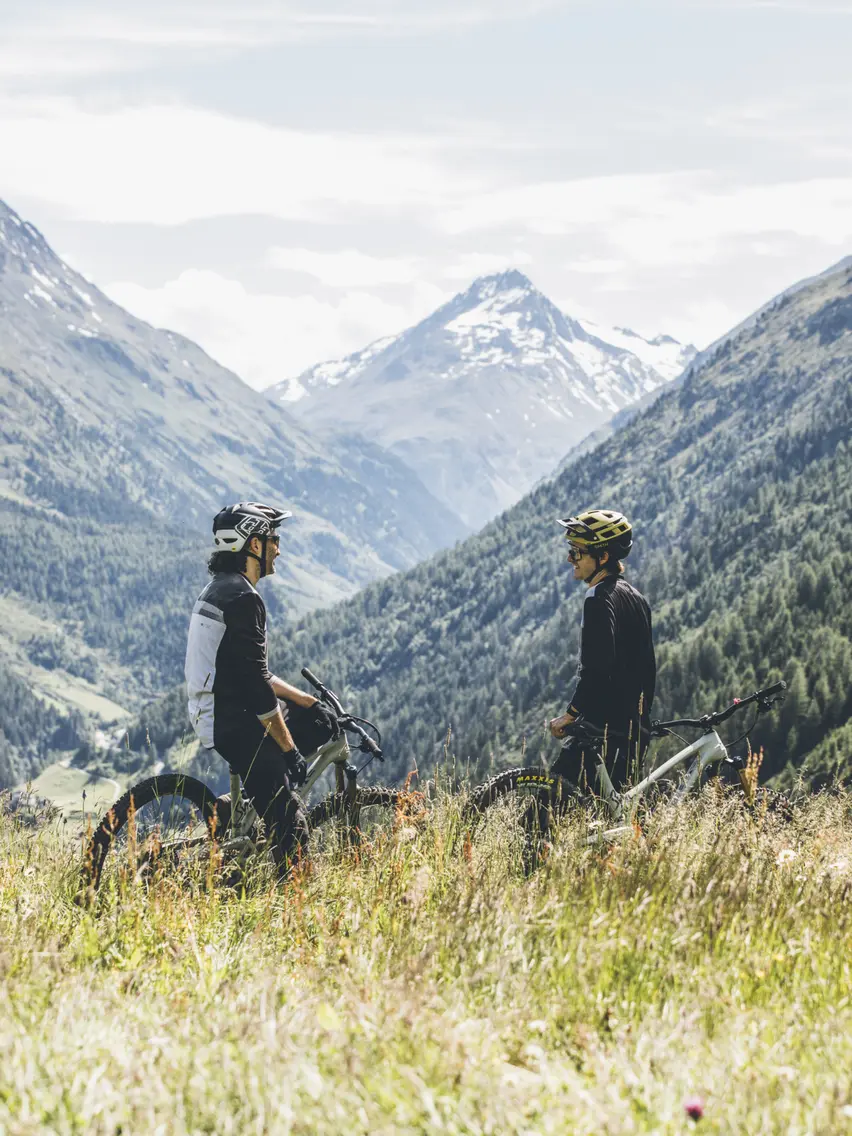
[(559, 725), (326, 717)]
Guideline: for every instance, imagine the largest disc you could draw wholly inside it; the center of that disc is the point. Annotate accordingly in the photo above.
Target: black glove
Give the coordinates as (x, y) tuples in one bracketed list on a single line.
[(297, 767), (326, 718)]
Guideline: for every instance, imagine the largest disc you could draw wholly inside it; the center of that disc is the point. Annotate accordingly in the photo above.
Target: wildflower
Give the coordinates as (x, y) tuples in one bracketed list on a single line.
[(785, 856), (694, 1107)]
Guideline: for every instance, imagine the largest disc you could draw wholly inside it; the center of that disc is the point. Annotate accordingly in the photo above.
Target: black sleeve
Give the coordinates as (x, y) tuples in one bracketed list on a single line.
[(597, 657), (245, 620)]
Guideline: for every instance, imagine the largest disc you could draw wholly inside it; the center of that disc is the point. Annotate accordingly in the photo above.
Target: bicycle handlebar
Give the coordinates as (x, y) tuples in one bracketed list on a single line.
[(764, 698), (312, 679), (347, 722)]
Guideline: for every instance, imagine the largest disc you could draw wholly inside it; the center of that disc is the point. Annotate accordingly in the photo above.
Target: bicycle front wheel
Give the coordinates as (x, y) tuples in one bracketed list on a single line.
[(165, 814), (519, 784), (374, 808)]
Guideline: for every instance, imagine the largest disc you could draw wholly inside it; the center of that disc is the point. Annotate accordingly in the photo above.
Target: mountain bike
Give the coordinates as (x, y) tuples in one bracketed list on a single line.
[(674, 778), (172, 817)]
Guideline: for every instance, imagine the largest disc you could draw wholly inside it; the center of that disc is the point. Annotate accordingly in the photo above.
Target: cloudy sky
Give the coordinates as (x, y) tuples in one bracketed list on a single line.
[(286, 181)]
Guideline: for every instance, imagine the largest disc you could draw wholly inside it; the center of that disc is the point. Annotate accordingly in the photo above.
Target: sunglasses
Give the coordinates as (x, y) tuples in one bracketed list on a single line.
[(575, 554), (275, 538)]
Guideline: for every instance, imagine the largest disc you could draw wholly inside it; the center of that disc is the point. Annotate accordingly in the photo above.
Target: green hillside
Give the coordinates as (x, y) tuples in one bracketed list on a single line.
[(740, 487)]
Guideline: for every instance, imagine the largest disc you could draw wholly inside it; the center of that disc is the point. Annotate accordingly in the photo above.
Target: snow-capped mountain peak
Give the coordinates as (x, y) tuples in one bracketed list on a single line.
[(486, 395)]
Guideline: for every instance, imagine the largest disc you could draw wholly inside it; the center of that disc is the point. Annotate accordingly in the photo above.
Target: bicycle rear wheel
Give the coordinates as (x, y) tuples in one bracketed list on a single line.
[(166, 814), (374, 808)]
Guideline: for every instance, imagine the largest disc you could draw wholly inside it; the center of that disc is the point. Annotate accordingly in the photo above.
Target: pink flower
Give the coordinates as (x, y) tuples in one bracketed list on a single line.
[(694, 1107)]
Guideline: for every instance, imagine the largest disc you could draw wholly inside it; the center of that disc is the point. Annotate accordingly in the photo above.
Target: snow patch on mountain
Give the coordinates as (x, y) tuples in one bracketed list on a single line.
[(665, 355)]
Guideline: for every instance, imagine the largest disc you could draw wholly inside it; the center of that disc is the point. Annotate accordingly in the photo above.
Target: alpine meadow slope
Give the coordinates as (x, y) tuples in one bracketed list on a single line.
[(484, 397), (739, 484)]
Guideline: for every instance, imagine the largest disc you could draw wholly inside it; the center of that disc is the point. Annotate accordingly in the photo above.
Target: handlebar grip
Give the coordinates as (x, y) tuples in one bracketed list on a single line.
[(310, 677), (776, 688)]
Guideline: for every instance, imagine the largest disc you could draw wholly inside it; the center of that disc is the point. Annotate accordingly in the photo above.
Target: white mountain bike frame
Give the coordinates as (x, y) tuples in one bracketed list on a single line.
[(708, 750)]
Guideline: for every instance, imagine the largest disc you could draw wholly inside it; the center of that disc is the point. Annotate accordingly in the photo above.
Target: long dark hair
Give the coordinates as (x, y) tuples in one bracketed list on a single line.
[(226, 562), (613, 566)]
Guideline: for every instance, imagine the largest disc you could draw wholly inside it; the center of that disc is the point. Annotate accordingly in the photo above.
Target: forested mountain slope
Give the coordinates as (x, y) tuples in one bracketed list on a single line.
[(739, 484)]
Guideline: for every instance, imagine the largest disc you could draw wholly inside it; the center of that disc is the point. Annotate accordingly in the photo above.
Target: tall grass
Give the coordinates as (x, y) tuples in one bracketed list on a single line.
[(422, 983)]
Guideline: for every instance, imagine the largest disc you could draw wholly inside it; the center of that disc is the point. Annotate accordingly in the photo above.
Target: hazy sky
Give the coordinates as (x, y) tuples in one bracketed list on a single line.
[(285, 182)]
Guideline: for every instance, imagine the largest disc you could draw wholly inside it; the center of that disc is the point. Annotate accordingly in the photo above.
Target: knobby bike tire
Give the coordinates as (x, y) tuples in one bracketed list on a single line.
[(335, 805), (509, 781), (142, 794)]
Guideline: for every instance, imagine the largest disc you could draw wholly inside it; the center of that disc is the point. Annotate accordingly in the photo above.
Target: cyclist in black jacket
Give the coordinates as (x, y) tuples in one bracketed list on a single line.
[(233, 699), (617, 672)]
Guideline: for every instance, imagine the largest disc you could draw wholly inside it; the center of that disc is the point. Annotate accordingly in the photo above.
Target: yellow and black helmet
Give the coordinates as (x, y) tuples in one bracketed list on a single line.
[(600, 530)]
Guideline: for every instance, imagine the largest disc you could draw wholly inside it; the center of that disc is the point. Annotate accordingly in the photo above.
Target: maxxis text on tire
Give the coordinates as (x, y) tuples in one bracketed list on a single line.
[(509, 781)]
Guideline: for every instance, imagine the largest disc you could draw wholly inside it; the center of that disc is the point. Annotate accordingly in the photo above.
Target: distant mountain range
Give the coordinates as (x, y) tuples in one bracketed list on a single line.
[(484, 397), (118, 441)]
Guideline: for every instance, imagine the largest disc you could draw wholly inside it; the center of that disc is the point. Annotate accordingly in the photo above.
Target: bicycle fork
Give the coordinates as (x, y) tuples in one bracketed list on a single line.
[(346, 783)]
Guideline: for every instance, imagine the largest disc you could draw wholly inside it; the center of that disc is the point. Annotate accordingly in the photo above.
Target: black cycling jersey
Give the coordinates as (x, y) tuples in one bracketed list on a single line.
[(618, 671), (227, 677)]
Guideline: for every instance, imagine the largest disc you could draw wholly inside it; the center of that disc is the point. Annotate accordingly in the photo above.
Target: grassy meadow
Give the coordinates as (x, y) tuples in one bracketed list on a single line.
[(421, 983)]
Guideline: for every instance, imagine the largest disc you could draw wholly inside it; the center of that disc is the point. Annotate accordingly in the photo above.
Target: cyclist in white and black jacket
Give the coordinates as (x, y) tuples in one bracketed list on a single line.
[(233, 699), (617, 671)]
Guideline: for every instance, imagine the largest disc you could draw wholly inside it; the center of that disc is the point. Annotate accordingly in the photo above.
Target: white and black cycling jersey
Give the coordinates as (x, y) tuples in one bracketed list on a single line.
[(227, 675)]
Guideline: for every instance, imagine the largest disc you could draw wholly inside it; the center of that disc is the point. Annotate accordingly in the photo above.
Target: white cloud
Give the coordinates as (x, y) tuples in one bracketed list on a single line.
[(102, 36), (166, 165), (697, 227), (663, 219), (264, 337), (705, 320), (557, 208), (347, 268), (595, 266)]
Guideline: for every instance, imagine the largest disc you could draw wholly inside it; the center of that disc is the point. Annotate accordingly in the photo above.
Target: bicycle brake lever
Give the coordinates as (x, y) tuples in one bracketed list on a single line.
[(764, 705)]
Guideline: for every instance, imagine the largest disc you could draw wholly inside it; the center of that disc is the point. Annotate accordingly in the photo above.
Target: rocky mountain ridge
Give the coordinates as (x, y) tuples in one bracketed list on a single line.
[(176, 433)]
